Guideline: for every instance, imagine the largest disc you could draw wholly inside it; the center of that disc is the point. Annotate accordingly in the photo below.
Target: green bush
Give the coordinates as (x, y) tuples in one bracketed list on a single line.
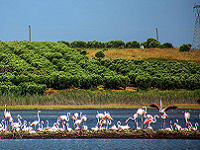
[(32, 88), (184, 48), (99, 54), (133, 44), (168, 45), (151, 43)]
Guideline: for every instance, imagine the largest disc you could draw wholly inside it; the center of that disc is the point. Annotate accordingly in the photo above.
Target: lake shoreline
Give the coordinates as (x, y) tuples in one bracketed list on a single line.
[(125, 134), (90, 107)]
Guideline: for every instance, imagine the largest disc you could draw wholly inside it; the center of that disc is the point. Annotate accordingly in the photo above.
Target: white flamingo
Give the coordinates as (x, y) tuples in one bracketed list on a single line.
[(68, 128), (177, 126), (140, 112), (16, 125), (162, 111), (95, 129), (100, 116), (7, 116), (150, 119), (124, 127), (84, 119), (41, 126), (191, 128), (170, 128), (36, 122), (64, 117), (187, 117), (113, 128)]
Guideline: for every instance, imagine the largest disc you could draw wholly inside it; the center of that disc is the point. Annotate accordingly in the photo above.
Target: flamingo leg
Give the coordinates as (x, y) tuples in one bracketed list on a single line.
[(107, 126), (141, 122), (8, 126)]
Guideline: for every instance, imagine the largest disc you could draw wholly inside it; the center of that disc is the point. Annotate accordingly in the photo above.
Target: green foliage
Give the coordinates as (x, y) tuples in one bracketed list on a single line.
[(184, 48), (31, 88), (99, 54), (168, 45), (151, 43), (31, 67), (78, 44), (133, 44), (143, 81)]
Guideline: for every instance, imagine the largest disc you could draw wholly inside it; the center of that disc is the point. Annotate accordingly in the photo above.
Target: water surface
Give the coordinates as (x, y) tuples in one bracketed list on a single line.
[(118, 115)]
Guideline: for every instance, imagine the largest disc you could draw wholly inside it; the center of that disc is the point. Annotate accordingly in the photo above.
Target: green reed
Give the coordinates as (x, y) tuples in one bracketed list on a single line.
[(88, 97)]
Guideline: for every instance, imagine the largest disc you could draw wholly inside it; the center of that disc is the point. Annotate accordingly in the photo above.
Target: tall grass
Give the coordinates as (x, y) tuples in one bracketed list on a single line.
[(166, 53), (81, 97)]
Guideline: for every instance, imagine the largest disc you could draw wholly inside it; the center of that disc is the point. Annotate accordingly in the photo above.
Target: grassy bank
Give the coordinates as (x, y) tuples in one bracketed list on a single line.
[(164, 54), (118, 99), (111, 106)]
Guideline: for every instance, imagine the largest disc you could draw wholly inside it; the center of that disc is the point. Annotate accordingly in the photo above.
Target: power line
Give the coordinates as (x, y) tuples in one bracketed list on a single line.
[(117, 21)]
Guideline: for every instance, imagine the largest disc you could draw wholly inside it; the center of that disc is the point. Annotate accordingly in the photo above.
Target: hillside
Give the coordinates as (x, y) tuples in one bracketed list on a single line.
[(32, 67)]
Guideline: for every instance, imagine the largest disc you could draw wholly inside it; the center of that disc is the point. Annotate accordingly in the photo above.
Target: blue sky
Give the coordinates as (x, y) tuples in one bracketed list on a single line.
[(101, 20)]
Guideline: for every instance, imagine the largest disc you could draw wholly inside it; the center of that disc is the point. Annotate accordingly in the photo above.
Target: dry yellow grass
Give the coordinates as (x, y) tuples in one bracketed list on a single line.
[(166, 53)]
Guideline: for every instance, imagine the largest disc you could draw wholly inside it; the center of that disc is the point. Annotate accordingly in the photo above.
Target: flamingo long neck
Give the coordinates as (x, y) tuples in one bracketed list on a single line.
[(160, 104), (171, 127), (130, 118), (38, 117), (47, 124), (68, 116), (19, 121), (196, 125), (42, 126), (63, 126), (5, 109)]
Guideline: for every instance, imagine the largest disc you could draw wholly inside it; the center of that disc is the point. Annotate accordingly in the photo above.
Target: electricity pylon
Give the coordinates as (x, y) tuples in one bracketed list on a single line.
[(196, 36)]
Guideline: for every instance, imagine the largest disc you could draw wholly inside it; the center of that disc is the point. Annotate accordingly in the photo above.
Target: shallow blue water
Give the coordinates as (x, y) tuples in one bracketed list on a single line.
[(118, 115), (104, 144)]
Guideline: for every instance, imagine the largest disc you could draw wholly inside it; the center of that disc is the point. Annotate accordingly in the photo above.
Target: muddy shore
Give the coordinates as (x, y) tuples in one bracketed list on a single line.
[(130, 134)]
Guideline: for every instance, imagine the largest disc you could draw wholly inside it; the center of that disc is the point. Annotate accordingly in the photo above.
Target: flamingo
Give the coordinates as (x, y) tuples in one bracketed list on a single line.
[(25, 128), (100, 116), (74, 118), (2, 127), (7, 116), (95, 129), (84, 119), (16, 125), (85, 129), (34, 123), (162, 110), (170, 128), (108, 119), (54, 128), (187, 117), (140, 112), (42, 126), (68, 128), (101, 123), (63, 126), (77, 123), (64, 117), (194, 128), (124, 127), (177, 126), (113, 128), (150, 119)]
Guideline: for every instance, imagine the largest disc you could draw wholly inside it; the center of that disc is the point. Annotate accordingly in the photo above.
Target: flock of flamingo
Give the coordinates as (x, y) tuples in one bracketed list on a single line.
[(104, 120)]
